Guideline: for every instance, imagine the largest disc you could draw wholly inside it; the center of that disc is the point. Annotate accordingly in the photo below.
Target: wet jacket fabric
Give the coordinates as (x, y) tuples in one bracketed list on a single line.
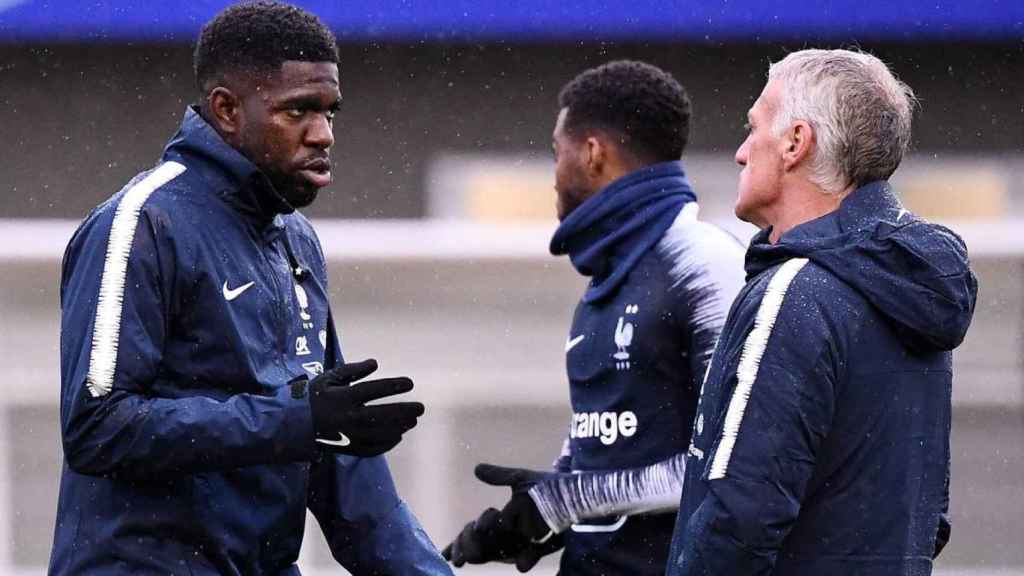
[(641, 338), (821, 443), (190, 299)]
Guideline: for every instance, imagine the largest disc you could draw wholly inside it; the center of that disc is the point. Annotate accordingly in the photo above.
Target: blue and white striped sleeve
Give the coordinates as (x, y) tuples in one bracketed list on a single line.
[(567, 499), (706, 273)]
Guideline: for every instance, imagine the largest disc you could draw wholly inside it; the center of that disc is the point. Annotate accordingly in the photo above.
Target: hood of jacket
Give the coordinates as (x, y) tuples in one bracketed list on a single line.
[(236, 179), (915, 273)]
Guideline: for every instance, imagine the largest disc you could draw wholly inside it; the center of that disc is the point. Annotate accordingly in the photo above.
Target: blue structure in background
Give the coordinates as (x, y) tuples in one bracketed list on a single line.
[(539, 20)]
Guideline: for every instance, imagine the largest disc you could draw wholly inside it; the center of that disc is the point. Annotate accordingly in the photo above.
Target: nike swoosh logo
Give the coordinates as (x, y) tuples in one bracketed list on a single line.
[(344, 441), (570, 344), (903, 212), (232, 293)]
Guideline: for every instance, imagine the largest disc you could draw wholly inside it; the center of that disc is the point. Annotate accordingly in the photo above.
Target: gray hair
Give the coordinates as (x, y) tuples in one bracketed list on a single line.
[(859, 111)]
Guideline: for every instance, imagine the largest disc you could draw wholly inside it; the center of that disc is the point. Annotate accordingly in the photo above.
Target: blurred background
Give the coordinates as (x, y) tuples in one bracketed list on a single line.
[(437, 224)]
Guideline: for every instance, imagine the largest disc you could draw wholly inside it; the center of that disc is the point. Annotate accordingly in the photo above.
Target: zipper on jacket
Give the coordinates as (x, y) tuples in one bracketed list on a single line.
[(270, 255)]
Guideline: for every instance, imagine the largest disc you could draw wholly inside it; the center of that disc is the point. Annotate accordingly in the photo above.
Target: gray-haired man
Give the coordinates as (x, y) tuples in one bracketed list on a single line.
[(821, 443)]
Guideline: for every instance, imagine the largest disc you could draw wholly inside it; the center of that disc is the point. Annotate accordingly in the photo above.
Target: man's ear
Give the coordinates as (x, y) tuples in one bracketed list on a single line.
[(225, 110), (797, 145), (595, 151)]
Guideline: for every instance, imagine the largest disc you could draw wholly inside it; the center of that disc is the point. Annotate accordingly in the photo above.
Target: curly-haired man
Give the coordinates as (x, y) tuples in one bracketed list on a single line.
[(205, 404), (660, 285)]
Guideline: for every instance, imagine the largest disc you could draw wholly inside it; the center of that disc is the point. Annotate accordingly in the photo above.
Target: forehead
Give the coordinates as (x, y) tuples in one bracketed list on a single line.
[(767, 102), (559, 131), (295, 76)]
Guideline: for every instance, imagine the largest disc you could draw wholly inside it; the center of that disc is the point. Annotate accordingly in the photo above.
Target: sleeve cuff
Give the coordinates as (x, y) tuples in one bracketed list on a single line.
[(296, 436), (541, 498)]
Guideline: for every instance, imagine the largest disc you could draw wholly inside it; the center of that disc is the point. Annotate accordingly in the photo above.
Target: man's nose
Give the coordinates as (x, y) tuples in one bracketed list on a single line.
[(741, 154), (320, 133)]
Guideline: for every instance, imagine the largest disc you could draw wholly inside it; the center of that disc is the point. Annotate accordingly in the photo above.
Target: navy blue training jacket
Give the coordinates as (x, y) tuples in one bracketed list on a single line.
[(190, 299), (637, 351), (821, 444)]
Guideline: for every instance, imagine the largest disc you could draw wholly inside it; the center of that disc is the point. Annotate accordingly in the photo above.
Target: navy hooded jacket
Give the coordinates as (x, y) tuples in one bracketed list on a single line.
[(821, 444), (189, 301)]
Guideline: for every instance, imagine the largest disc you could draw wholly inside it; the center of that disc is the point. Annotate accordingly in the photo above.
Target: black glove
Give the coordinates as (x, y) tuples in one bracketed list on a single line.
[(342, 422), (520, 513), (517, 534), (488, 539), (483, 540), (532, 554)]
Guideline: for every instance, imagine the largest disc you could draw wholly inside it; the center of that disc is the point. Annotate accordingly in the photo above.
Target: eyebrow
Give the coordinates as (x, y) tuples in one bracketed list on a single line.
[(309, 101)]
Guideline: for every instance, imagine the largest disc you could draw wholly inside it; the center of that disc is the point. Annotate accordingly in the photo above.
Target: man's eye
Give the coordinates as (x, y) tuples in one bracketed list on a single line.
[(295, 112)]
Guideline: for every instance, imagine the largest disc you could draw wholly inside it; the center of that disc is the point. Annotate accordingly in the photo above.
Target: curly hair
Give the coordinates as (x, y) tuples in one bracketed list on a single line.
[(255, 37), (639, 103)]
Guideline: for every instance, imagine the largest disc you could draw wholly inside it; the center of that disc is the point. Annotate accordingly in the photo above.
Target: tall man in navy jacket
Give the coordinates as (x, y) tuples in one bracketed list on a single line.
[(821, 443), (205, 404), (661, 281)]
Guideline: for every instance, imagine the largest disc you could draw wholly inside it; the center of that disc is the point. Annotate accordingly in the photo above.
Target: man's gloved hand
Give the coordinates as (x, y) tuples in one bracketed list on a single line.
[(488, 539), (532, 554), (342, 422), (517, 534), (520, 512)]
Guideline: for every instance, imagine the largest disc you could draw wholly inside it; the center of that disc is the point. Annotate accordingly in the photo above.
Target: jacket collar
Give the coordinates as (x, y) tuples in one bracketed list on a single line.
[(861, 209), (608, 234), (230, 174), (916, 274), (868, 204)]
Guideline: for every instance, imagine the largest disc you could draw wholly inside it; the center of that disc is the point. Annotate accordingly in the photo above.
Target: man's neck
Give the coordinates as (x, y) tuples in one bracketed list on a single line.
[(803, 204)]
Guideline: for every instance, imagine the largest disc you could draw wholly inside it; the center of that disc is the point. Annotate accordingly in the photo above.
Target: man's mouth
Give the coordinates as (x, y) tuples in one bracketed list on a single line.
[(317, 172)]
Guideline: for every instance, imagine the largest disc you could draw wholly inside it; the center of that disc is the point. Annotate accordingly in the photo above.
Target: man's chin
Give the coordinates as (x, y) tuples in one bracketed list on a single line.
[(300, 197), (564, 206), (749, 215), (740, 213)]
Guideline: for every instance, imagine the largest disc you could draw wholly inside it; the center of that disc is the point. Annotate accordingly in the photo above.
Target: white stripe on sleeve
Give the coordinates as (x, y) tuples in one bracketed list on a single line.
[(569, 499), (750, 361), (107, 328)]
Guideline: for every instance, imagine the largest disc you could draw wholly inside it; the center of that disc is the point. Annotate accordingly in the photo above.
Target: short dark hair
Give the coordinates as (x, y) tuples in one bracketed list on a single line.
[(642, 104), (256, 37)]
